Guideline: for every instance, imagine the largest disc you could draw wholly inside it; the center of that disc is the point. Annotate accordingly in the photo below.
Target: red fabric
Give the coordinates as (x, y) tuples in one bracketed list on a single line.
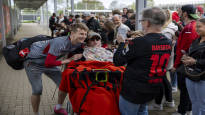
[(51, 61), (200, 9), (175, 17), (70, 20), (99, 100), (184, 41), (105, 46), (45, 51), (24, 52)]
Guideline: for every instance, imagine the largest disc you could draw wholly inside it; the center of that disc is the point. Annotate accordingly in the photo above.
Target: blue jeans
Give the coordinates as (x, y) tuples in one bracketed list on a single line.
[(173, 76), (196, 92), (128, 108)]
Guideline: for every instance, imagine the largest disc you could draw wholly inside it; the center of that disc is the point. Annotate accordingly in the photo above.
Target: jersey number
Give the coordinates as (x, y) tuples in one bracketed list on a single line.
[(159, 64)]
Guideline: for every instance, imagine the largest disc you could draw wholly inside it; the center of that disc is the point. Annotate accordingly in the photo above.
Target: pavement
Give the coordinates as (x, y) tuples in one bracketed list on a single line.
[(15, 90)]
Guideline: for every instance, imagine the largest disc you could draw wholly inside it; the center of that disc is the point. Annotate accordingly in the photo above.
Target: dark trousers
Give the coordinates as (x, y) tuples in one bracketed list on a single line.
[(52, 32), (185, 103), (165, 90)]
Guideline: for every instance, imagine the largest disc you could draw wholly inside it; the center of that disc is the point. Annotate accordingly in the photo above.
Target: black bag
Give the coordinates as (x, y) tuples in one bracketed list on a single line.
[(11, 52), (192, 75), (181, 70)]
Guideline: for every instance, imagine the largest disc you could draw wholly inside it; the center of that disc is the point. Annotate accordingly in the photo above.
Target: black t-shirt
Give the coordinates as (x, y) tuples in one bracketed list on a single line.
[(146, 58)]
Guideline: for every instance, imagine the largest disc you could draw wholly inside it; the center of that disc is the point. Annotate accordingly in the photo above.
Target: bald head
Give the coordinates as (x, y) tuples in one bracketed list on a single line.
[(116, 19)]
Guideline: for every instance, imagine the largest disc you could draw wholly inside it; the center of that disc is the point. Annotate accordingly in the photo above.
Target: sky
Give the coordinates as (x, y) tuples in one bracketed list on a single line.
[(181, 2), (106, 3)]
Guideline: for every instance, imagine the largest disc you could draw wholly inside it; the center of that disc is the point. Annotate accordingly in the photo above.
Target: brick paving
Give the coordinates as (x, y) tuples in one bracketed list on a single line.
[(15, 89)]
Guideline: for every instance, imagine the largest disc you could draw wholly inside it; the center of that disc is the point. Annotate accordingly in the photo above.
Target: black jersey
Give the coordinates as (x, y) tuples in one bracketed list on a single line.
[(146, 58)]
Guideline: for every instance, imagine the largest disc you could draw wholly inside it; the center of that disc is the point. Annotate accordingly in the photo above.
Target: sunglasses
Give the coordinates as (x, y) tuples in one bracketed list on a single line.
[(94, 38)]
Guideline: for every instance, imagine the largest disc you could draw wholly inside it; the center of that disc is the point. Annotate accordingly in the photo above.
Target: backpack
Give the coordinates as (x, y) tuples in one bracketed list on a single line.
[(11, 52), (93, 87)]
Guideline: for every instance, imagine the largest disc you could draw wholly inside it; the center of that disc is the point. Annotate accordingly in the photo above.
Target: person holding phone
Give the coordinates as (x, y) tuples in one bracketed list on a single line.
[(143, 76), (196, 58), (187, 36)]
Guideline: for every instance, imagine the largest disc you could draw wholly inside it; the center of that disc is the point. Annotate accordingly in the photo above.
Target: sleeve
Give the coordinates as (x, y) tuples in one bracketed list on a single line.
[(126, 53), (200, 62), (55, 47), (51, 61), (183, 43), (168, 35)]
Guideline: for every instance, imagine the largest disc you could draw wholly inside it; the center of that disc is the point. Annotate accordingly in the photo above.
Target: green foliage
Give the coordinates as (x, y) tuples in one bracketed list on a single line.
[(29, 21), (28, 11), (150, 3), (60, 11), (89, 5), (60, 1), (132, 6)]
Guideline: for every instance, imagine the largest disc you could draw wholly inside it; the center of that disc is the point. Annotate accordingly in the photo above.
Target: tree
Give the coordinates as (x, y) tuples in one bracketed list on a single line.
[(116, 5), (150, 3), (132, 6), (90, 5)]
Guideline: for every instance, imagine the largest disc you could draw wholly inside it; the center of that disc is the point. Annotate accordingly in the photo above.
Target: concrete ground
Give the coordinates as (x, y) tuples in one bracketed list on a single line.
[(15, 89)]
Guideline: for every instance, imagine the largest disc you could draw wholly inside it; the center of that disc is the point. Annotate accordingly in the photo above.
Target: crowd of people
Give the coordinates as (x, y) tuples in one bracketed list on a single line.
[(167, 44)]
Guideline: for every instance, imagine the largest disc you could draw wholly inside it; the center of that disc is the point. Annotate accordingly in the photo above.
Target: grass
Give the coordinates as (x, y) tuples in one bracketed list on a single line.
[(29, 21)]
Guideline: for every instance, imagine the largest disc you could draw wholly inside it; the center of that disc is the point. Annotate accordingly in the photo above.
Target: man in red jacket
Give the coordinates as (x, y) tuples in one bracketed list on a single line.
[(188, 16)]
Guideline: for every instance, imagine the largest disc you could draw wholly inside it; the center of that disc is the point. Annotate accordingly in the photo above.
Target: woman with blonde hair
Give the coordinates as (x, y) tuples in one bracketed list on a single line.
[(169, 31)]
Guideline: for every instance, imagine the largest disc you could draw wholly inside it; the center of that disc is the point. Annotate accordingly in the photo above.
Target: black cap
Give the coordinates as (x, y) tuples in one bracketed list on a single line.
[(190, 10)]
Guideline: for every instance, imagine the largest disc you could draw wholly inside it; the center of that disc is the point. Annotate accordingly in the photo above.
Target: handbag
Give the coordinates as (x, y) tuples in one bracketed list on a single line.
[(191, 72)]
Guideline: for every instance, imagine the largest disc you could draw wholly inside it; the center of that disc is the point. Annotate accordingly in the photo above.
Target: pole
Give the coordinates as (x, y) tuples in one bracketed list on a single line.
[(72, 7), (47, 17), (67, 7), (55, 7), (140, 5), (2, 23), (11, 19)]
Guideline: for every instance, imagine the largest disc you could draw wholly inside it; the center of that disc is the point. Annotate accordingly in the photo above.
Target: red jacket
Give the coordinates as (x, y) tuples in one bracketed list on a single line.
[(184, 41)]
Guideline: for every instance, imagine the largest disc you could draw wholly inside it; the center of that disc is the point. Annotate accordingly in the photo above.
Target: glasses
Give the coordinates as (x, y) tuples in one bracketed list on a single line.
[(94, 38), (140, 21)]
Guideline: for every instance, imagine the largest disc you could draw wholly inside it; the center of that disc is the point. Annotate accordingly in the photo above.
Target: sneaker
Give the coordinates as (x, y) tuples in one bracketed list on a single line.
[(189, 113), (155, 107), (61, 111), (176, 113), (169, 104), (174, 89)]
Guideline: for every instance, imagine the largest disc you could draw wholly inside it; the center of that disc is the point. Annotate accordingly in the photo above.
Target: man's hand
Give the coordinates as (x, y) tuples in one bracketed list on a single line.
[(66, 61), (187, 60), (120, 38), (173, 69), (74, 57)]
